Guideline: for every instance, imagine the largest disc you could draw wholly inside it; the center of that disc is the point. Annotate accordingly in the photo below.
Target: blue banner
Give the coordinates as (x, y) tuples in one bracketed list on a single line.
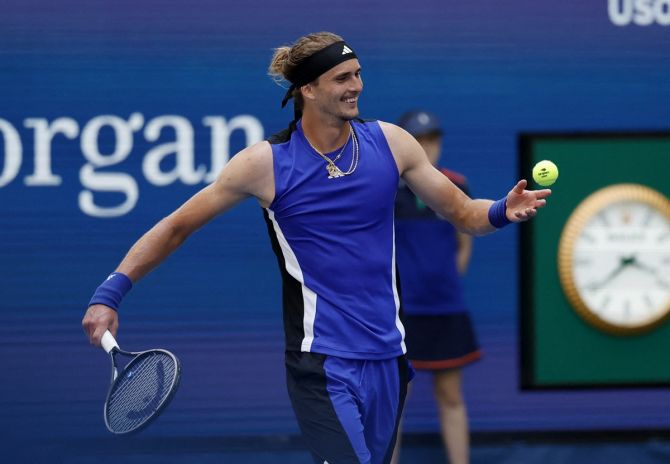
[(114, 113)]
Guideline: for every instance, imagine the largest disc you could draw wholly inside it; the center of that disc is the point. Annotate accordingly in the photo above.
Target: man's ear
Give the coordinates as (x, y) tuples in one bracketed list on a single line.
[(307, 91)]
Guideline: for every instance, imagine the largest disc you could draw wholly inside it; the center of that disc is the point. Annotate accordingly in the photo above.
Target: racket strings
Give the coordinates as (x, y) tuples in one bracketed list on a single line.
[(140, 391)]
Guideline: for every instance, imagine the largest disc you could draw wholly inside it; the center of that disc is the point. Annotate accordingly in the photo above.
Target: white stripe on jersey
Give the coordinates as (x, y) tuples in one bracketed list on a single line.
[(308, 296), (396, 298)]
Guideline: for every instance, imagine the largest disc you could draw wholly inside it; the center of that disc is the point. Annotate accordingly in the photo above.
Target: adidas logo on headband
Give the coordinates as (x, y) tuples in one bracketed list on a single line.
[(346, 50)]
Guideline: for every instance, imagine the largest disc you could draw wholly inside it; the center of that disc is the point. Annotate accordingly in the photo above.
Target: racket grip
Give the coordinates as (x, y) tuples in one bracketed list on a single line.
[(108, 342)]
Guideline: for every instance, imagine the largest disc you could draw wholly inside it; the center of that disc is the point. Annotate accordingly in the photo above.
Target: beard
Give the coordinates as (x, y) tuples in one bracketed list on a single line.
[(338, 111)]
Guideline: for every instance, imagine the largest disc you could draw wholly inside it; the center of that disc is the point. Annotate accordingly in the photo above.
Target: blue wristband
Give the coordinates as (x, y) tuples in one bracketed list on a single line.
[(497, 214), (112, 290)]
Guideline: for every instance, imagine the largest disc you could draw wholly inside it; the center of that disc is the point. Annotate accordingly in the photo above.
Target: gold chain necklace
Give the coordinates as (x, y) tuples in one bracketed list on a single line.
[(331, 167)]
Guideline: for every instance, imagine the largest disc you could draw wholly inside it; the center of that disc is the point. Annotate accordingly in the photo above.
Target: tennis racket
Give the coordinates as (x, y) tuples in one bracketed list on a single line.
[(141, 390)]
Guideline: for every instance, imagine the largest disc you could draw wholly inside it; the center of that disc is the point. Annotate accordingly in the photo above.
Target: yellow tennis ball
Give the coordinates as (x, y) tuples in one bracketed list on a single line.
[(545, 173)]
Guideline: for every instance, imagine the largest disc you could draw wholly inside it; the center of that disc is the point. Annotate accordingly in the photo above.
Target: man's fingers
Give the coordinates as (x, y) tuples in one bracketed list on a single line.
[(525, 206), (86, 325), (544, 193), (97, 320), (520, 186), (525, 214), (114, 327), (96, 338)]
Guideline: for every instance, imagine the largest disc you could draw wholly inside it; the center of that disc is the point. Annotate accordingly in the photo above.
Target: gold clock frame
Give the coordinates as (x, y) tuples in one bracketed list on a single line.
[(588, 208)]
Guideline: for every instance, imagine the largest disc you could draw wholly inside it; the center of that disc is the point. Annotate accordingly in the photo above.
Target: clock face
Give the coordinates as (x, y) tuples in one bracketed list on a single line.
[(614, 259)]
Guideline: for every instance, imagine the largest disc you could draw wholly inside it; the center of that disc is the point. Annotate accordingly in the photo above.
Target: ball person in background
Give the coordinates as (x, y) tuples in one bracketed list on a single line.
[(432, 256), (327, 187)]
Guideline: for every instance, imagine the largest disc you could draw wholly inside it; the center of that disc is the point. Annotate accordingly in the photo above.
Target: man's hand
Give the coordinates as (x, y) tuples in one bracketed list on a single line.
[(522, 204), (97, 320)]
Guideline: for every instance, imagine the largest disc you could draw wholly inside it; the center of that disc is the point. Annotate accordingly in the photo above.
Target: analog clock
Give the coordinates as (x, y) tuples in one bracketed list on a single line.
[(614, 259)]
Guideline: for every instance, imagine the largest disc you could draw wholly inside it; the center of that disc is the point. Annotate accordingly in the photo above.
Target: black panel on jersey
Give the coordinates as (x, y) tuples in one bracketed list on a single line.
[(293, 305)]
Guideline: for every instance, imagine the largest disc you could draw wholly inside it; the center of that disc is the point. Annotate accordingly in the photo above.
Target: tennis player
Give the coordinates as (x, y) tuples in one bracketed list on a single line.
[(327, 185)]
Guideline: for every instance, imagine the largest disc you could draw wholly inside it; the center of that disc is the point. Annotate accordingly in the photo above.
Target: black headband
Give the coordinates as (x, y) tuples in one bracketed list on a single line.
[(316, 64)]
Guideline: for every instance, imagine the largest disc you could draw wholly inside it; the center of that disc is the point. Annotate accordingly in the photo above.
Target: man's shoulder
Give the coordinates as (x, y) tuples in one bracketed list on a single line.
[(258, 154), (392, 132)]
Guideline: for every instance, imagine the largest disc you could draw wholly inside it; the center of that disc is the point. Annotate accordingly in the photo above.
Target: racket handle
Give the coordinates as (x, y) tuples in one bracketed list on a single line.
[(108, 343)]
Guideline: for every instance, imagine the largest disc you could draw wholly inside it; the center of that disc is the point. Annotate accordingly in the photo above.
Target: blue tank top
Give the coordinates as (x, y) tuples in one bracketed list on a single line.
[(426, 249), (334, 241)]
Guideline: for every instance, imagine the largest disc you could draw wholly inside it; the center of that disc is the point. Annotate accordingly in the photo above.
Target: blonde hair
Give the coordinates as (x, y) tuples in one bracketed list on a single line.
[(286, 58)]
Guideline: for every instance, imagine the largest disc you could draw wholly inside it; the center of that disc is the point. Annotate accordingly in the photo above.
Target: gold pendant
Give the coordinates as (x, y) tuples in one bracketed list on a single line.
[(333, 171)]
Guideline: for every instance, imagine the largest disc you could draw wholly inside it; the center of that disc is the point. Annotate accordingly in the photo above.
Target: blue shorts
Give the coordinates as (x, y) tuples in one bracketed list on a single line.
[(443, 341), (348, 410)]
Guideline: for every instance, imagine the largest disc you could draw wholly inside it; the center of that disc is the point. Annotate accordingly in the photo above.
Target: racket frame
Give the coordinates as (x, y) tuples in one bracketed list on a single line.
[(112, 348)]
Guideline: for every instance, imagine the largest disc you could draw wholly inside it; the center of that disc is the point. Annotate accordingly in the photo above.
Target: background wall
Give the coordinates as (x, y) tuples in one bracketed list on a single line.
[(113, 113)]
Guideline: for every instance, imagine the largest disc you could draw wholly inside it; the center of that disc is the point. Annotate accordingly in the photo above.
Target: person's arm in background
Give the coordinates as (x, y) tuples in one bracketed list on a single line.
[(249, 173), (464, 244), (464, 252)]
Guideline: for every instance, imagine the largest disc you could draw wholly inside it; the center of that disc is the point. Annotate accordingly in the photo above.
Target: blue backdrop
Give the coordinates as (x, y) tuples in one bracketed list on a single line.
[(114, 113)]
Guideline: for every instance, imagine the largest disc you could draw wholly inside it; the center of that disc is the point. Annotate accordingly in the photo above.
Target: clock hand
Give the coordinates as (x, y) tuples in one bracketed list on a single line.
[(651, 270), (624, 262), (644, 267)]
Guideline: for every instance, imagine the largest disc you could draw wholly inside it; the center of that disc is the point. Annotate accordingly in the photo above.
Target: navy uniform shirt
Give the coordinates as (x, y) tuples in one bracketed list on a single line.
[(426, 248)]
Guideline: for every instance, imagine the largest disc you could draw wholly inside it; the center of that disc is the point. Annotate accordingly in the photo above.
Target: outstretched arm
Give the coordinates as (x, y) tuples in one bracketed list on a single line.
[(445, 198), (249, 173)]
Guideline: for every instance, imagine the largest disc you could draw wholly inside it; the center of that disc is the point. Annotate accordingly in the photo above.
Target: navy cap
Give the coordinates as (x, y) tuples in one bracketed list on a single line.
[(420, 123)]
